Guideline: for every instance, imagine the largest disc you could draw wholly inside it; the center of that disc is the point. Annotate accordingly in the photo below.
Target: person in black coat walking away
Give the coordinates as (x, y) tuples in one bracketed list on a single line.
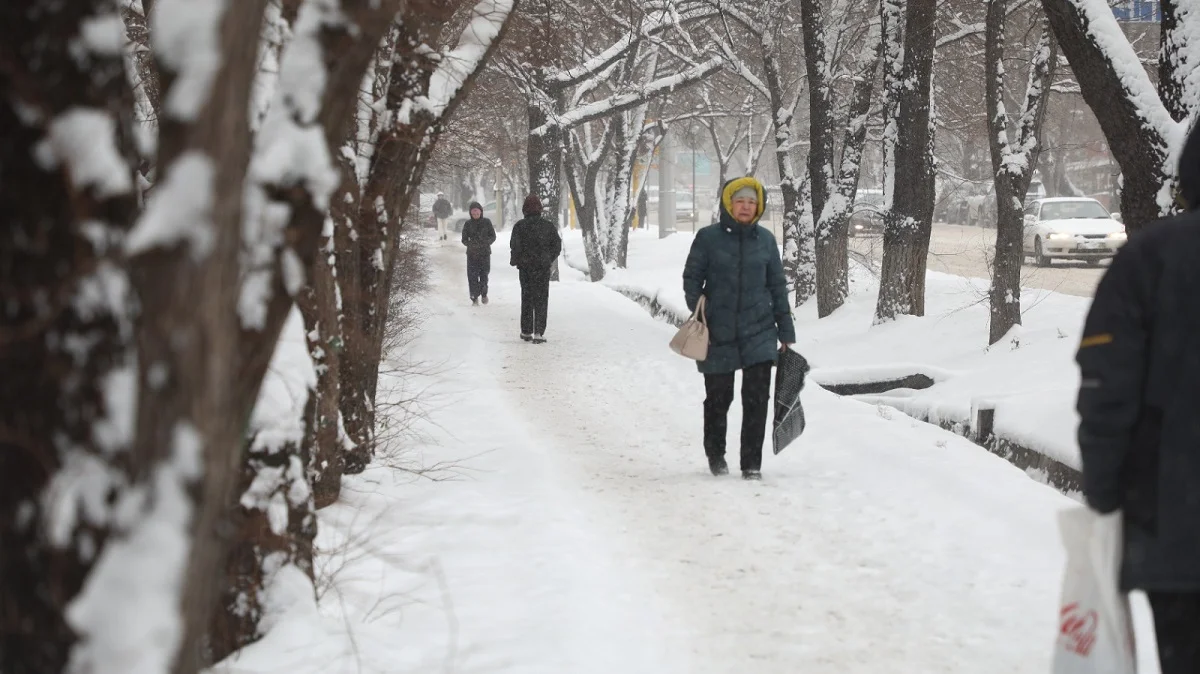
[(535, 245), (1138, 399), (442, 210), (478, 235)]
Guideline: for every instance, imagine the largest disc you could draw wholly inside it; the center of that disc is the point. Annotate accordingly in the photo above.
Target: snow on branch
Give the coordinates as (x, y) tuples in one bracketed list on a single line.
[(623, 101), (667, 18), (1106, 34), (460, 63)]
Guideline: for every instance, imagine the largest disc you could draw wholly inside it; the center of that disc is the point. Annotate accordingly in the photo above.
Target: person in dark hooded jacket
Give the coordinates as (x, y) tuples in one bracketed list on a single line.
[(735, 264), (478, 235), (535, 246), (1139, 414)]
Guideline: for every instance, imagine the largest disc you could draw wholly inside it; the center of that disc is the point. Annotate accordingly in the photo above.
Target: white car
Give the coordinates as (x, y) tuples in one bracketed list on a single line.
[(1070, 228)]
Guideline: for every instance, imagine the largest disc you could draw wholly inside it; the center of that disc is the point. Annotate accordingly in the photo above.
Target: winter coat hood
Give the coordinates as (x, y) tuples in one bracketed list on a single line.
[(1188, 190), (473, 206), (732, 188), (532, 206)]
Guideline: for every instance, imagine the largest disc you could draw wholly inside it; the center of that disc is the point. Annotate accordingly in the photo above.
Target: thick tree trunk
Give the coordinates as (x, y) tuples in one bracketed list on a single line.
[(830, 247), (833, 218), (909, 223), (803, 262), (318, 303), (1172, 70), (1139, 148), (63, 356), (1012, 167), (545, 159), (265, 540)]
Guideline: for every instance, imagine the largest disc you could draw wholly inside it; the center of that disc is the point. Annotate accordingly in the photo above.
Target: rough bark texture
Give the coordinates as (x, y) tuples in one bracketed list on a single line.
[(1012, 166), (820, 158), (397, 166), (802, 262), (184, 335), (833, 207), (1140, 151), (263, 545), (909, 222), (1171, 76), (52, 396), (318, 303)]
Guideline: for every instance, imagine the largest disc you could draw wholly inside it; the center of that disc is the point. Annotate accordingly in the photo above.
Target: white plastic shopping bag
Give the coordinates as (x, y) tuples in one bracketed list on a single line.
[(1095, 633)]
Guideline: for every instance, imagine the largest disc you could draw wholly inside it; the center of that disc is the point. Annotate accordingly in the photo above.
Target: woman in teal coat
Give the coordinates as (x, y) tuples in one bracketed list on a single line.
[(735, 264)]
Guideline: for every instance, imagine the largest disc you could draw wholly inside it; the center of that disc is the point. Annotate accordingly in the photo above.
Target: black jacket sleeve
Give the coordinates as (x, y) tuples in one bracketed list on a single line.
[(468, 233), (516, 244), (1112, 361), (488, 233), (553, 245)]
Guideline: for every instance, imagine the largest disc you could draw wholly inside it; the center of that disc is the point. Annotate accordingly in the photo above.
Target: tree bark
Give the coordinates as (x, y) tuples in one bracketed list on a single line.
[(1139, 148), (319, 303), (909, 222), (803, 262), (59, 351), (1012, 168)]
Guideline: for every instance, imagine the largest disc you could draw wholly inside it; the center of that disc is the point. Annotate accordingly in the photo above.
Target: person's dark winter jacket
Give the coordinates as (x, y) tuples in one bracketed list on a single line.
[(535, 242), (1140, 392), (478, 235), (442, 208), (738, 268)]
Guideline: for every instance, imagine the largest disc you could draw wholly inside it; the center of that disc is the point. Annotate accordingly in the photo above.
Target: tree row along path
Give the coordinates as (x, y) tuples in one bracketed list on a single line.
[(584, 533)]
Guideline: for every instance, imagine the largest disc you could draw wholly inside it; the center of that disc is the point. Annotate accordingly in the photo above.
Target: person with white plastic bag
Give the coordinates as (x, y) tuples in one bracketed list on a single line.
[(1139, 409), (1095, 634)]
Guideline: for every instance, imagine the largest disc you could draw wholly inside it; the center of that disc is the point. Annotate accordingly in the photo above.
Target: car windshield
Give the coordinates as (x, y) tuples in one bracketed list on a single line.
[(1072, 210)]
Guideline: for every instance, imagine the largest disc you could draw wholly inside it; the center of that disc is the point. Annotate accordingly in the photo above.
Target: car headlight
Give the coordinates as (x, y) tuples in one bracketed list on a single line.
[(1118, 236), (1060, 236), (858, 226)]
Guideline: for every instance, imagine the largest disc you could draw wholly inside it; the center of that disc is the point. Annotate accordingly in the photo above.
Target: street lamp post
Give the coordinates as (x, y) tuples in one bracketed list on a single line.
[(666, 188)]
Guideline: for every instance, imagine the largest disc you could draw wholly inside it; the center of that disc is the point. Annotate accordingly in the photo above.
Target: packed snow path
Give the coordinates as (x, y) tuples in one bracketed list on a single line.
[(873, 544), (581, 532)]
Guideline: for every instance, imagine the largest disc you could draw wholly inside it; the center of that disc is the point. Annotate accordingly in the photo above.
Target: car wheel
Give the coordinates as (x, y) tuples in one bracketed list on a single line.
[(1039, 256)]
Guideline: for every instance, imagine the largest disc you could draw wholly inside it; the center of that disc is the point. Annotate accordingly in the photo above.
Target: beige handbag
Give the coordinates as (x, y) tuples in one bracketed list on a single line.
[(692, 339)]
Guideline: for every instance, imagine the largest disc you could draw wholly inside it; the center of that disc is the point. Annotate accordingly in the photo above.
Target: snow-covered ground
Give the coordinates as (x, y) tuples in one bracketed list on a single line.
[(1030, 377), (570, 524)]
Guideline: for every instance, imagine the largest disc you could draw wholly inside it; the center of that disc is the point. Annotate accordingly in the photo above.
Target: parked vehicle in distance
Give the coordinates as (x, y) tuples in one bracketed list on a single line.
[(866, 216), (1070, 228)]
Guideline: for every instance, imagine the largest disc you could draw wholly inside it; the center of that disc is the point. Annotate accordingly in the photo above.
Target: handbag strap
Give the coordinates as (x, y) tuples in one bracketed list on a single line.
[(699, 312)]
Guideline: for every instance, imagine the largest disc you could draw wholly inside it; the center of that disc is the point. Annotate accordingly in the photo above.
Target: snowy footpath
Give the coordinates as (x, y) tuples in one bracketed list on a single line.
[(569, 524)]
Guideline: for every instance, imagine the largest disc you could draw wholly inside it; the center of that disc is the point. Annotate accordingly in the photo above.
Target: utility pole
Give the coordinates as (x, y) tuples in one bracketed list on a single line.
[(695, 206), (666, 187)]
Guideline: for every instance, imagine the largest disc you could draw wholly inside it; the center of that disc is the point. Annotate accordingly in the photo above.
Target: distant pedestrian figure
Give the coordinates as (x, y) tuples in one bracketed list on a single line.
[(735, 264), (478, 235), (1139, 392), (535, 246), (442, 210)]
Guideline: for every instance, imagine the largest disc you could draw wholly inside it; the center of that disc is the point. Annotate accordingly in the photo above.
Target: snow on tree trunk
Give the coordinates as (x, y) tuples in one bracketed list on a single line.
[(799, 257), (829, 246), (190, 237), (909, 221), (1012, 165), (1141, 129), (424, 90), (545, 156), (66, 408), (803, 262), (583, 169), (320, 307), (275, 520), (833, 196)]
